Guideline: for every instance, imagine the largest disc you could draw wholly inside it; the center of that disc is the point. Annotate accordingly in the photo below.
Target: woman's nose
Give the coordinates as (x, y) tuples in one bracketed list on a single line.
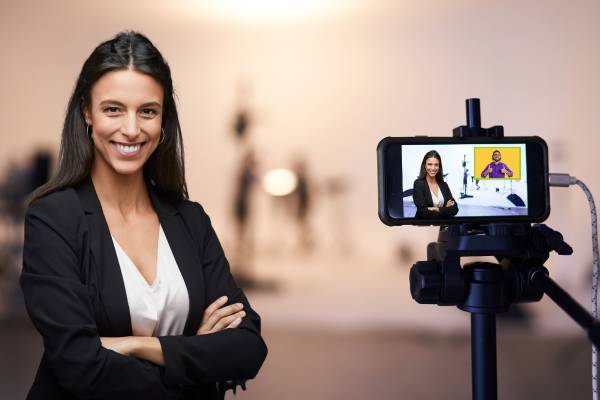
[(131, 126)]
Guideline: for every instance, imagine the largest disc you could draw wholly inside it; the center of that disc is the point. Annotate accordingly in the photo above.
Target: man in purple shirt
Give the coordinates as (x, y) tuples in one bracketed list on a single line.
[(496, 169)]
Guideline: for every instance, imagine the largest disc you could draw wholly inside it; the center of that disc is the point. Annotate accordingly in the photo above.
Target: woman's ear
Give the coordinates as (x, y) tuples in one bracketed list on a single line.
[(86, 113)]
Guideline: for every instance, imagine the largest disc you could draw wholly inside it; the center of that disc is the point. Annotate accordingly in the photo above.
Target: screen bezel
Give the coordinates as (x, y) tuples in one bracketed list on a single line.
[(389, 164)]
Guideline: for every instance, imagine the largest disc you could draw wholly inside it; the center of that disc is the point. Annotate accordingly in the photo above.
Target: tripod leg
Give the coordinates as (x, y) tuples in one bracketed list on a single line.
[(483, 356)]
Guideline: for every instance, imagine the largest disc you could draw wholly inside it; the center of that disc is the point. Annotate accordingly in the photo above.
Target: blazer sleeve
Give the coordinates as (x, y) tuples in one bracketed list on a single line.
[(451, 211), (421, 200), (229, 354), (59, 306)]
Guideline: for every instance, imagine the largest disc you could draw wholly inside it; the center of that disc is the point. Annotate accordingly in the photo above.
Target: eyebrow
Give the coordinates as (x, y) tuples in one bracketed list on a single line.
[(148, 104)]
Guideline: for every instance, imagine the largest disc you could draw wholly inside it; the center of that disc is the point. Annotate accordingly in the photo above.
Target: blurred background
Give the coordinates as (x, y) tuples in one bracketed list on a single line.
[(282, 104)]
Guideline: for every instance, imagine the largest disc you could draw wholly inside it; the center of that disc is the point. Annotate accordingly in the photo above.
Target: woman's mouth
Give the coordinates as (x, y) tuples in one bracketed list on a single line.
[(128, 150)]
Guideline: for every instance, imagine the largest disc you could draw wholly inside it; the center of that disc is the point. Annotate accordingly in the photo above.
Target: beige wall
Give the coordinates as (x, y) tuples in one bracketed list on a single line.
[(331, 82)]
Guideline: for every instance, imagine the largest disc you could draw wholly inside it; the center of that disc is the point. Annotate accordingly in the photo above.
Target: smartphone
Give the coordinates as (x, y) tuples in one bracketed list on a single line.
[(445, 180)]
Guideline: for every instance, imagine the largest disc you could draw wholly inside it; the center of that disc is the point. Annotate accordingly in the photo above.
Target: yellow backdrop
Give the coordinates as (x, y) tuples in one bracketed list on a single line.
[(511, 156)]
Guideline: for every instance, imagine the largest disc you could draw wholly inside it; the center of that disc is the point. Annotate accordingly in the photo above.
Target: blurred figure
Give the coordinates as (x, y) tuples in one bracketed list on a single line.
[(245, 181), (241, 123), (302, 198), (244, 248), (19, 182), (243, 117)]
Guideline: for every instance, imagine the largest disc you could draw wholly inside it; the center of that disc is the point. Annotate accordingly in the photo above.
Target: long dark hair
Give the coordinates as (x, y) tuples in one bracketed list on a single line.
[(423, 173), (164, 170)]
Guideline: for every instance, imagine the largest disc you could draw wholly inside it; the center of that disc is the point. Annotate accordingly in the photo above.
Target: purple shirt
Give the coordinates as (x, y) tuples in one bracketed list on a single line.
[(496, 170)]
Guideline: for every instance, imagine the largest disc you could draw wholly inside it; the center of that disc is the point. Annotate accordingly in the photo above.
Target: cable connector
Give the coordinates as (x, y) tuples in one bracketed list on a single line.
[(563, 180)]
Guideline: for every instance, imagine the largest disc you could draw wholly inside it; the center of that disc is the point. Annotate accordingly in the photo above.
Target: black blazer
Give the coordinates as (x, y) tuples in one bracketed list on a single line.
[(422, 198), (74, 293)]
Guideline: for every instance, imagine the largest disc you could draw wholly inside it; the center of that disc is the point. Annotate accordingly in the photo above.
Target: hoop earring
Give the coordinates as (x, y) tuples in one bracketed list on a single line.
[(88, 132), (162, 135)]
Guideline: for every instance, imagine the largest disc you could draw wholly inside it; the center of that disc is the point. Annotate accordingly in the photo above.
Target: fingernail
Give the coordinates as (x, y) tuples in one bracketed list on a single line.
[(243, 313), (223, 298), (240, 305)]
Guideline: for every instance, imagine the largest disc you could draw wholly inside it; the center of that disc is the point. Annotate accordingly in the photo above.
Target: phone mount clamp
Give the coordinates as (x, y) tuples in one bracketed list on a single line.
[(485, 289)]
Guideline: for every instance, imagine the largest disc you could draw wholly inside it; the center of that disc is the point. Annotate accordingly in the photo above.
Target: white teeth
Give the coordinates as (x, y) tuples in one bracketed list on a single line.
[(128, 149)]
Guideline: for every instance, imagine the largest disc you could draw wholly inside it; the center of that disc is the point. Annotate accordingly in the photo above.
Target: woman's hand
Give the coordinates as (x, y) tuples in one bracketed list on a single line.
[(450, 203), (216, 317), (122, 345), (437, 209)]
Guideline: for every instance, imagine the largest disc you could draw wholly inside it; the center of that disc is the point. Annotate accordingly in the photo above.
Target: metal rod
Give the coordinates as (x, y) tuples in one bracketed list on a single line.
[(563, 299), (483, 356), (473, 113)]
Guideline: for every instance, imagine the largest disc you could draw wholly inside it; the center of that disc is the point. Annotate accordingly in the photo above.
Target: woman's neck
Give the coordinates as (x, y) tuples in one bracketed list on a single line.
[(126, 193), (431, 180)]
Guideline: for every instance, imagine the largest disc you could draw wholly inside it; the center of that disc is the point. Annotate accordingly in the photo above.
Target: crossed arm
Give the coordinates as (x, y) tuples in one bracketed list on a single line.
[(424, 210), (216, 318)]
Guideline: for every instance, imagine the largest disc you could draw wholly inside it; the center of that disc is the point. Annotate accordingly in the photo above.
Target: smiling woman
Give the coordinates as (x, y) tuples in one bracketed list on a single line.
[(123, 276), (125, 114), (431, 194)]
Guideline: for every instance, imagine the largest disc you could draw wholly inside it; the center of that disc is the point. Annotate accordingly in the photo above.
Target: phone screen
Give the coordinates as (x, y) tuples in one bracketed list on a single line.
[(483, 181)]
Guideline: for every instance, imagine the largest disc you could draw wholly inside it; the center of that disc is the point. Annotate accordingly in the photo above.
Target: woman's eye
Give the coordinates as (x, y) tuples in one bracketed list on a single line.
[(149, 112), (111, 110)]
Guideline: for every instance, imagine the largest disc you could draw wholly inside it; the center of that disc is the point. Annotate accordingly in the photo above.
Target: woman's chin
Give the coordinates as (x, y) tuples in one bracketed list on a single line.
[(126, 168)]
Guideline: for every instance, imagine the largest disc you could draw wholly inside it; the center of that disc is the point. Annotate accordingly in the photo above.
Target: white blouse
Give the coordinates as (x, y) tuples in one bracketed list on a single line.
[(161, 308), (438, 201)]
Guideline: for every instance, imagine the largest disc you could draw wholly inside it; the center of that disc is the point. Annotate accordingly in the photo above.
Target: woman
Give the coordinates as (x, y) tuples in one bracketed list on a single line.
[(431, 194), (123, 276)]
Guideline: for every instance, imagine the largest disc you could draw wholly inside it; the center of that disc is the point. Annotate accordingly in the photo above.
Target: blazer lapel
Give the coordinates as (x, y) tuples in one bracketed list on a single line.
[(445, 190), (428, 193), (186, 255), (110, 279)]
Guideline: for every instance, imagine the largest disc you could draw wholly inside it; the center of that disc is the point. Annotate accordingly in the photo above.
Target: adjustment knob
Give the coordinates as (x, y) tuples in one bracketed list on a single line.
[(426, 282)]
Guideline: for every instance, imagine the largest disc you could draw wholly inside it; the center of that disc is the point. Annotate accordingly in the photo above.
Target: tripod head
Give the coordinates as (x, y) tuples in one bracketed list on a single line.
[(520, 250)]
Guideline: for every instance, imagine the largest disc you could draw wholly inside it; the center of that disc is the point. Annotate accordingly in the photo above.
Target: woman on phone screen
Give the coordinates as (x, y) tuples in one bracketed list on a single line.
[(431, 194)]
